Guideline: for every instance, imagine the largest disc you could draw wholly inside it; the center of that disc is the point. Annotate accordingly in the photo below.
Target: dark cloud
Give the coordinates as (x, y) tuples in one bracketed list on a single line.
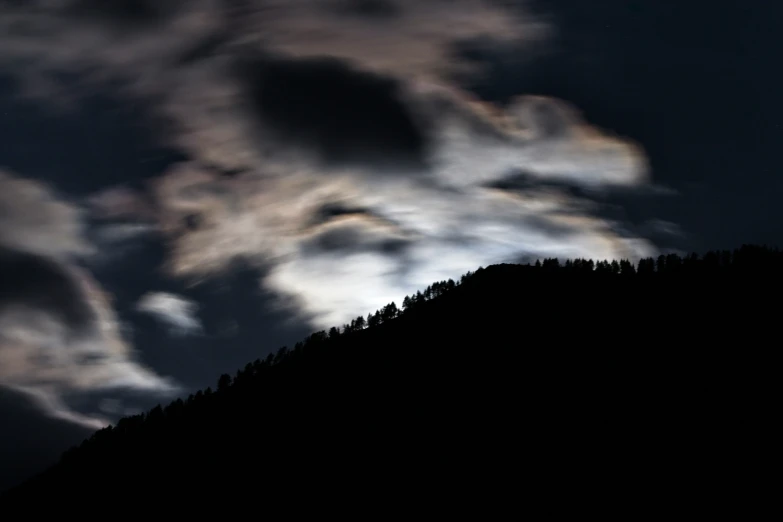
[(30, 442), (355, 235), (372, 9), (338, 240), (193, 221), (36, 282), (522, 182), (204, 48), (330, 211), (125, 13), (350, 117)]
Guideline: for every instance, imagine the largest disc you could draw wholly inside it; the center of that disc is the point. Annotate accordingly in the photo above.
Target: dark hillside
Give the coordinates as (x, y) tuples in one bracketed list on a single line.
[(587, 388)]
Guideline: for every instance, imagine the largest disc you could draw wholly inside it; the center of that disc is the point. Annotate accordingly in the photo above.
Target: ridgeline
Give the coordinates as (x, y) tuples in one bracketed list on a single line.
[(561, 388)]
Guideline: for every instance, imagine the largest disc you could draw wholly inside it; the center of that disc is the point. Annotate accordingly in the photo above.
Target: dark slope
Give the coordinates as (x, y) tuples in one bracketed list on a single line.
[(29, 439), (542, 390)]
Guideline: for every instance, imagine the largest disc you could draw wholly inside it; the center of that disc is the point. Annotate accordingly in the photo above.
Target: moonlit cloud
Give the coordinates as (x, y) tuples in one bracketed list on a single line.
[(359, 171), (176, 312), (408, 230)]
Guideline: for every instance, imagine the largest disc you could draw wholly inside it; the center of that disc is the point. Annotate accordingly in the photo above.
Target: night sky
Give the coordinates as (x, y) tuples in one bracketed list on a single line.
[(186, 186)]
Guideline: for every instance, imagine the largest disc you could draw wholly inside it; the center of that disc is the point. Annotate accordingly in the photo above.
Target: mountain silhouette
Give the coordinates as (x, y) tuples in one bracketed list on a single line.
[(552, 389)]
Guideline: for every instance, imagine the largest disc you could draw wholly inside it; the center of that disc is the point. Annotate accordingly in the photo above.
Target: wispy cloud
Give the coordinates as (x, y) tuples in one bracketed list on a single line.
[(176, 312)]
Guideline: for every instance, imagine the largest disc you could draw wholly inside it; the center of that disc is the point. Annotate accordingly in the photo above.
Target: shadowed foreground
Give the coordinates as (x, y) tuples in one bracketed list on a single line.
[(607, 389)]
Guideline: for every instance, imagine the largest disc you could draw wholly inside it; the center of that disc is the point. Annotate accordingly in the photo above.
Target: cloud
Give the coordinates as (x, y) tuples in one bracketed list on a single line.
[(305, 103), (114, 234), (348, 116), (400, 236), (120, 203), (124, 13), (406, 38), (34, 220), (39, 283), (51, 403), (544, 137), (186, 57), (59, 336), (375, 9), (174, 311), (116, 241)]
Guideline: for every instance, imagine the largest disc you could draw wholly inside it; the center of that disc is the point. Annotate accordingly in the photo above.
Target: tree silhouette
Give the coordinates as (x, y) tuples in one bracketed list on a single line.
[(224, 382), (616, 377)]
